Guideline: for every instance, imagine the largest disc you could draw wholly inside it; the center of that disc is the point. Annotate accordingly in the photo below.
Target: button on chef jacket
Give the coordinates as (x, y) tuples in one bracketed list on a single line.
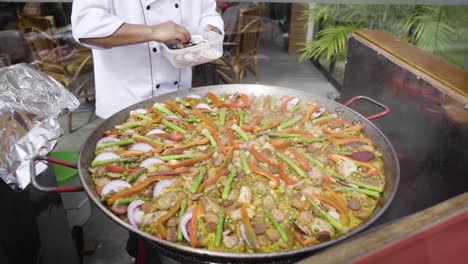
[(129, 74)]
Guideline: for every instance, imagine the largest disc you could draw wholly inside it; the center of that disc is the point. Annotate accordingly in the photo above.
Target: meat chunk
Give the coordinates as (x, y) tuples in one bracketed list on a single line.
[(146, 207), (119, 209), (259, 228), (318, 225), (305, 217), (362, 214), (354, 204), (172, 222), (324, 235), (210, 217), (272, 235), (211, 227), (171, 235), (245, 195), (278, 215), (296, 201), (269, 202), (230, 241), (263, 240), (227, 203)]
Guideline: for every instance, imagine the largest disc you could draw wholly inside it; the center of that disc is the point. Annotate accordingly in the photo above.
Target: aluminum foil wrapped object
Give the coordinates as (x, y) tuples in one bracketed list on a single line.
[(30, 103)]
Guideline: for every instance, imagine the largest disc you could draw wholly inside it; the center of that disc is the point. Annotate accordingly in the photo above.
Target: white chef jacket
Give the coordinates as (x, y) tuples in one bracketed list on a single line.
[(129, 74)]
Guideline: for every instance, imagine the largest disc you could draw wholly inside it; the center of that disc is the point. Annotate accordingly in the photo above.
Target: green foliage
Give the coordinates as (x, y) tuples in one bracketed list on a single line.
[(424, 26)]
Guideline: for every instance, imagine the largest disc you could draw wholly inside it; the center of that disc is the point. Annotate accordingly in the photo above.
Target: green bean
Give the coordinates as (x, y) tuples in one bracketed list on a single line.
[(222, 116), (296, 107), (134, 175), (284, 135), (131, 199), (208, 134), (241, 117), (142, 116), (363, 191), (174, 126), (227, 187), (129, 125), (277, 226), (155, 141), (219, 228), (163, 109), (323, 118), (262, 101), (198, 180), (290, 123), (272, 102), (182, 102), (363, 185), (183, 208), (240, 132), (178, 157), (102, 162), (192, 120), (292, 165), (311, 159), (309, 140), (337, 225), (245, 164), (116, 143)]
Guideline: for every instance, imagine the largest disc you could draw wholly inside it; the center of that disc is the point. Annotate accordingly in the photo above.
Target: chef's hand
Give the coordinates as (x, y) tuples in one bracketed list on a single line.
[(169, 31), (212, 28)]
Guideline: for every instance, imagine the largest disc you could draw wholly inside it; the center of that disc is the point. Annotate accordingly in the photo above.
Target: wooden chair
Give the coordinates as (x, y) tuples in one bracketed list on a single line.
[(244, 47), (65, 63)]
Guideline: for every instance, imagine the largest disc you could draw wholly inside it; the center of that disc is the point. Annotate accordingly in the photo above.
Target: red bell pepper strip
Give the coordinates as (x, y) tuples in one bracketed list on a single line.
[(310, 111), (217, 102), (345, 140), (137, 188), (162, 231), (170, 172), (259, 156), (288, 180), (354, 128), (275, 123), (305, 242), (278, 143), (188, 162), (249, 230), (274, 181), (200, 142), (212, 181), (336, 120), (218, 141), (130, 153), (114, 168), (303, 161), (205, 119), (198, 212), (174, 107), (112, 133), (371, 170), (284, 106), (342, 209), (245, 102)]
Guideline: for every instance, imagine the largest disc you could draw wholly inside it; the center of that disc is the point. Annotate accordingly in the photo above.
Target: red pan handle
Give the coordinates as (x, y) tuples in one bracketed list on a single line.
[(379, 104), (60, 189)]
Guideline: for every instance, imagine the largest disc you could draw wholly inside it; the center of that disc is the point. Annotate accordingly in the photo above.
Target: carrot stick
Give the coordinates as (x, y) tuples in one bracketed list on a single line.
[(218, 141), (136, 188), (212, 181), (303, 161), (130, 153), (275, 123), (170, 172), (162, 231), (259, 156)]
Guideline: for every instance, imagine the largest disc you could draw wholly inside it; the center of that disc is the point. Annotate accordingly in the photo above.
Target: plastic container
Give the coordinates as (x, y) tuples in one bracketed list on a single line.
[(197, 54)]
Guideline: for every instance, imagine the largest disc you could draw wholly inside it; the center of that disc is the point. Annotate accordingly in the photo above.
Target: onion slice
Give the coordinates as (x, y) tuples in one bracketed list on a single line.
[(139, 111), (106, 156), (142, 147), (114, 186), (184, 222), (161, 186), (318, 113), (107, 140), (132, 207), (150, 162), (292, 103), (203, 106), (156, 131), (194, 96), (244, 235)]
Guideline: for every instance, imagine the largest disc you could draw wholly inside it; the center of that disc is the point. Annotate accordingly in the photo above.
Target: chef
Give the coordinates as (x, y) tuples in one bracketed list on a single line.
[(126, 38)]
